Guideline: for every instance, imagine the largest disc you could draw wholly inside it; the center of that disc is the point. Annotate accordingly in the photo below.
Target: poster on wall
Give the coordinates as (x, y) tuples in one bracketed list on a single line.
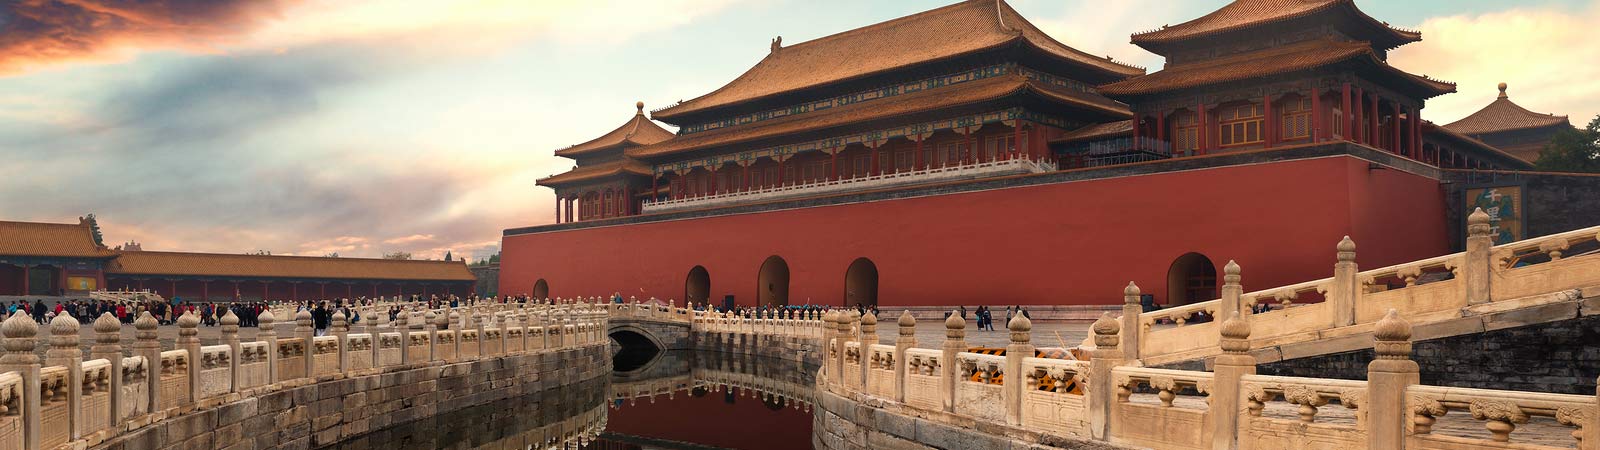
[(80, 283), (1503, 204)]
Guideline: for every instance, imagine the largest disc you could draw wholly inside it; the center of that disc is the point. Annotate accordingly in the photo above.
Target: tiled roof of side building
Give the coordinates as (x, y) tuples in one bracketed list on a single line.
[(954, 30), (1503, 115), (1284, 59), (602, 170), (50, 239), (1435, 130), (268, 266), (638, 130), (958, 95), (1245, 14)]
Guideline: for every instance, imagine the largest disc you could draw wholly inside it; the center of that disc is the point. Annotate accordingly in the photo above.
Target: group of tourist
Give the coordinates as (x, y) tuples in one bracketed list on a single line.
[(985, 316)]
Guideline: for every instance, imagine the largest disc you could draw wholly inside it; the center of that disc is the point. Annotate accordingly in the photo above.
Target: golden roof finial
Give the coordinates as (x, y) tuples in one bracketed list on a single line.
[(639, 106), (1502, 89)]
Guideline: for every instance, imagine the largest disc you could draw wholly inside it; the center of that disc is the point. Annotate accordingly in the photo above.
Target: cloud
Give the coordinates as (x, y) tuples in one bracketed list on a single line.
[(1545, 54), (41, 32), (410, 239)]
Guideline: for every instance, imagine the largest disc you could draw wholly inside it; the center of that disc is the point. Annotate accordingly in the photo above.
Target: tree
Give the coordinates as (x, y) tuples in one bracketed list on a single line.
[(397, 255), (1573, 150), (495, 259), (331, 255), (94, 228), (447, 256)]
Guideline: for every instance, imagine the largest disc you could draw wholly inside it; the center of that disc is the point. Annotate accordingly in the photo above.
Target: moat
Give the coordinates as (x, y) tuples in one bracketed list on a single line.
[(669, 400)]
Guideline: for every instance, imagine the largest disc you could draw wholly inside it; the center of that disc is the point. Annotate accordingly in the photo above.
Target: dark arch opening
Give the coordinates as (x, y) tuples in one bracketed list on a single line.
[(634, 350), (1192, 278), (772, 285), (861, 284), (541, 289), (697, 287)]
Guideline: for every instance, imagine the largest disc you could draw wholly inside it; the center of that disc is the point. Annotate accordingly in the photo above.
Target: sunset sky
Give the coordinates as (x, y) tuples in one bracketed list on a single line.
[(368, 126)]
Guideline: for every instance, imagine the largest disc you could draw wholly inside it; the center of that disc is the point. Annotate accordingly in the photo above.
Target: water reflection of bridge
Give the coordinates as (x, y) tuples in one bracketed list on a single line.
[(777, 383)]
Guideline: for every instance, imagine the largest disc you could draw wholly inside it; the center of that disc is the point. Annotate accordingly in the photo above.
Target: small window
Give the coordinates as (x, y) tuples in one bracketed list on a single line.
[(1239, 125), (1296, 119)]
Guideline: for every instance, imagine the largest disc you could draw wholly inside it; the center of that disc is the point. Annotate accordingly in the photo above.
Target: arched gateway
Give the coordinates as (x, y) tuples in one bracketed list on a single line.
[(1192, 278), (697, 287), (772, 285), (861, 284)]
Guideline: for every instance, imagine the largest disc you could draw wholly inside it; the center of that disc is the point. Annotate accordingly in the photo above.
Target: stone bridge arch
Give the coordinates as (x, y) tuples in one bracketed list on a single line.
[(663, 335)]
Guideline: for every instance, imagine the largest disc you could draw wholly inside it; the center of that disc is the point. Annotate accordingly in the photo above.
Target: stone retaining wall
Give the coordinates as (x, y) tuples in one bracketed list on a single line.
[(305, 413), (867, 423)]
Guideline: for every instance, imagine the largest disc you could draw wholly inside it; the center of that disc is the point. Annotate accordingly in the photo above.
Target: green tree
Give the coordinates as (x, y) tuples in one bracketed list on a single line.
[(331, 255), (397, 255), (1573, 150), (447, 256), (94, 228)]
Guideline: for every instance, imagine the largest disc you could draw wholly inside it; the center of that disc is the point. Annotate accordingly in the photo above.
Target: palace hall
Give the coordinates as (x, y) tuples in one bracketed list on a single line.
[(963, 156), (49, 259)]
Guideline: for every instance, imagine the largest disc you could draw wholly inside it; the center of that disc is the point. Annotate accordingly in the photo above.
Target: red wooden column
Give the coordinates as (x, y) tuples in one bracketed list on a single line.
[(833, 164), (1137, 132), (1161, 128), (236, 294), (1016, 143), (558, 210), (1201, 132), (711, 178), (972, 151), (1360, 98), (25, 277), (872, 152), (744, 174), (1395, 122), (264, 291), (1416, 132), (174, 285), (917, 156), (780, 169), (205, 290), (1372, 121), (322, 289), (1270, 124), (1349, 118), (294, 291), (1317, 126)]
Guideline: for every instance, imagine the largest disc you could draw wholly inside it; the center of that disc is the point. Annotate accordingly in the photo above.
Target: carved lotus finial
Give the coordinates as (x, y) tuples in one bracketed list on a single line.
[(189, 320), (107, 323), (64, 324), (1131, 292), (1392, 328), (869, 318), (1020, 324), (266, 317), (1106, 325), (1346, 245), (303, 315), (228, 318), (955, 322), (1478, 217), (1231, 269), (19, 326), (146, 322), (906, 320)]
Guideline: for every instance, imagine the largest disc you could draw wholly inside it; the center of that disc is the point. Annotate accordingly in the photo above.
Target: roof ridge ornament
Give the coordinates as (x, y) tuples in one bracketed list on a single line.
[(1502, 89), (777, 44)]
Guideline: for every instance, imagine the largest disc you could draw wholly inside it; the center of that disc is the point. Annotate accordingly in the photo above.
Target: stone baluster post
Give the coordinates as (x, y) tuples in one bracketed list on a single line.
[(1131, 309), (431, 320), (955, 341), (1346, 289), (475, 321), (230, 336), (1388, 378), (267, 331), (108, 346), (400, 325), (341, 332), (1233, 364), (869, 336), (1015, 382), (1105, 357), (20, 333), (1480, 248), (906, 339), (304, 329), (829, 344), (841, 326), (1231, 291), (64, 352), (189, 341)]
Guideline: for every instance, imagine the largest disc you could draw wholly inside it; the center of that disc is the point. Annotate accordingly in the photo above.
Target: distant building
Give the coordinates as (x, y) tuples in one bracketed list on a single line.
[(1510, 127), (488, 276), (62, 259), (963, 156)]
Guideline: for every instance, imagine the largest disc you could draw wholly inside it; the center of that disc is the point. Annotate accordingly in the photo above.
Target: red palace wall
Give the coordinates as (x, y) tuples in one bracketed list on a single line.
[(1063, 243), (709, 420)]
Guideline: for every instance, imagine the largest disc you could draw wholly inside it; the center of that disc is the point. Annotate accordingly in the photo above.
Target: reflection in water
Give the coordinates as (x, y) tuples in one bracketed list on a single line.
[(674, 400)]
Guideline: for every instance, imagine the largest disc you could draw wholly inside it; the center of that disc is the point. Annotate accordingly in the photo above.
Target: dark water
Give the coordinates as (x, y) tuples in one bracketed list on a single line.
[(671, 400)]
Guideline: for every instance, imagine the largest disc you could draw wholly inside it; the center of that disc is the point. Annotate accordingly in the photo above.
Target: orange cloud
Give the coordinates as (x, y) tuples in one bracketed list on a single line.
[(42, 32)]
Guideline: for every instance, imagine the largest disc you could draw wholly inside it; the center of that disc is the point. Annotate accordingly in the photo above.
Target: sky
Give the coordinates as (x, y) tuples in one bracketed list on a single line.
[(361, 127)]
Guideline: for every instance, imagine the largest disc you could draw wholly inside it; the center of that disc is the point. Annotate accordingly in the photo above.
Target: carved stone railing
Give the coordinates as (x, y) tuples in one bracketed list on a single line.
[(1484, 279), (78, 402), (1113, 399)]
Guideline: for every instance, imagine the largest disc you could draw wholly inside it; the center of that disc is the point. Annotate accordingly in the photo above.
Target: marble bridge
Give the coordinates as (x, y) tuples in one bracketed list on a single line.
[(1153, 379)]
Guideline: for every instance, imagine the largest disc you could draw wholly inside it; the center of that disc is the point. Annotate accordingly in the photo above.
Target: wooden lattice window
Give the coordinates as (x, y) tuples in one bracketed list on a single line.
[(609, 206), (1239, 125), (1338, 122), (1296, 119), (904, 161), (999, 146), (1186, 132)]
